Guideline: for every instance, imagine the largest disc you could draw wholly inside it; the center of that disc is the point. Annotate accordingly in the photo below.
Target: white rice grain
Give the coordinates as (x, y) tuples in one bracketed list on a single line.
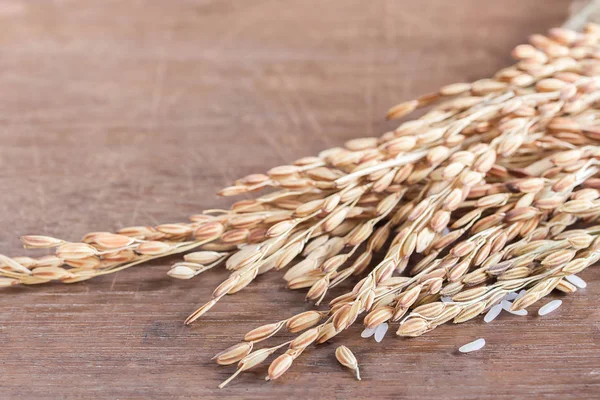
[(511, 296), (473, 346), (577, 281), (380, 332), (368, 332), (548, 308), (493, 313)]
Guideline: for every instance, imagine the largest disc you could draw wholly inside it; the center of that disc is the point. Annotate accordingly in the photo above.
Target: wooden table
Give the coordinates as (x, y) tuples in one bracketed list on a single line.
[(116, 113)]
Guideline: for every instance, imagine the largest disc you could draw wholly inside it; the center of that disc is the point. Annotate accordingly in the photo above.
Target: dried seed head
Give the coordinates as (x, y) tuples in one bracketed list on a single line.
[(335, 219), (288, 254), (531, 185), (557, 258), (379, 238), (514, 273), (40, 242), (153, 248), (463, 248), (303, 282), (246, 221), (257, 233), (181, 272), (362, 233), (233, 354), (385, 271), (455, 89), (439, 153), (75, 251), (254, 179), (302, 268), (550, 85), (309, 208), (580, 241), (418, 210), (347, 359), (485, 161), (470, 312), (451, 289), (566, 286), (51, 273), (341, 317), (566, 158), (430, 310), (575, 266), (459, 270), (482, 254), (6, 282), (203, 257), (318, 289), (176, 230), (413, 327), (449, 312), (440, 220), (384, 182), (305, 339), (26, 262), (378, 316), (48, 261), (387, 204), (327, 332), (520, 214), (494, 200), (281, 228), (526, 200), (510, 145), (361, 143), (255, 358), (576, 206), (525, 301), (564, 184), (283, 171), (469, 217), (235, 236), (233, 190), (209, 231), (402, 109), (470, 294), (245, 256), (303, 321), (279, 366), (452, 170), (476, 277), (244, 279), (263, 332), (361, 263), (200, 311), (226, 286), (446, 240), (453, 200), (14, 265)]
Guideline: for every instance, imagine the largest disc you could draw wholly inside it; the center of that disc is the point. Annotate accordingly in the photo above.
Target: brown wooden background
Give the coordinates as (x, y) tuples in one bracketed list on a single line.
[(115, 113)]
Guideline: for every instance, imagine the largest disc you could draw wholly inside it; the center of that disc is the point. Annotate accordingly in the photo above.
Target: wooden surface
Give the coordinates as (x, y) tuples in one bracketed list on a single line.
[(117, 113)]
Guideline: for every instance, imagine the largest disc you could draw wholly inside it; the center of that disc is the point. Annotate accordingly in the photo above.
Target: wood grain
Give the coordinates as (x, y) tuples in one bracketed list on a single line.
[(135, 112)]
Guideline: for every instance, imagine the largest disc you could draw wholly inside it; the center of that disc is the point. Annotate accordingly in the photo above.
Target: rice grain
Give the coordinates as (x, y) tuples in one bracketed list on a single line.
[(473, 346), (551, 306)]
